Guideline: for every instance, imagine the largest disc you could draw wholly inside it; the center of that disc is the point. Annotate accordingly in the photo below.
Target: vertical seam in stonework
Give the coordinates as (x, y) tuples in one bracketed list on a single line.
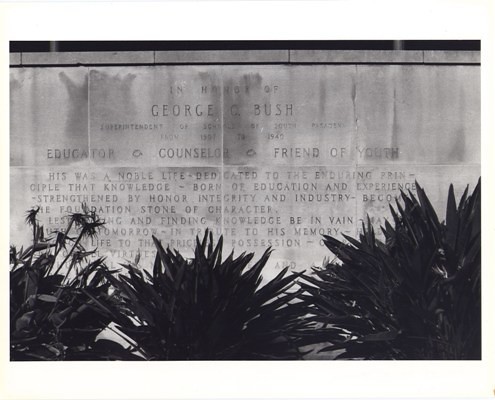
[(89, 119), (222, 149), (356, 137)]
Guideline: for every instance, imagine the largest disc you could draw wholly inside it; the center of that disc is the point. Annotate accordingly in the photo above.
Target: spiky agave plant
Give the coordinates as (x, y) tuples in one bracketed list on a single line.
[(207, 308), (54, 288), (417, 295)]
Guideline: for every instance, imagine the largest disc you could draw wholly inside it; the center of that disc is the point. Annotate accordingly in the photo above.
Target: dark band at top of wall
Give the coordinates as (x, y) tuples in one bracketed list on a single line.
[(78, 46)]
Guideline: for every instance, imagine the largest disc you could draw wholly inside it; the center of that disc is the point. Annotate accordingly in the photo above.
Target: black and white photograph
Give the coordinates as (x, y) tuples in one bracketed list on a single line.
[(213, 204)]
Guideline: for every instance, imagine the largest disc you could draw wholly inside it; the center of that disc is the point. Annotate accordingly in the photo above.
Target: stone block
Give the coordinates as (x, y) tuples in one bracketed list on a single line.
[(173, 204), (221, 56), (88, 58), (49, 116), (379, 186), (289, 115), (287, 209), (418, 115), (15, 58), (356, 56), (157, 116), (452, 57)]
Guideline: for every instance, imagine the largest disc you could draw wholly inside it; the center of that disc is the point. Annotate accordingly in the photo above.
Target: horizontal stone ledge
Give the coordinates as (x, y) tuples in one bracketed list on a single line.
[(97, 57), (452, 57), (151, 57), (356, 56), (221, 56), (247, 57)]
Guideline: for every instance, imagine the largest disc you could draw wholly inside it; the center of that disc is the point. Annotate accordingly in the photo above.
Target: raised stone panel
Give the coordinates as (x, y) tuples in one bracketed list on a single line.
[(156, 116), (289, 115), (49, 116), (420, 115)]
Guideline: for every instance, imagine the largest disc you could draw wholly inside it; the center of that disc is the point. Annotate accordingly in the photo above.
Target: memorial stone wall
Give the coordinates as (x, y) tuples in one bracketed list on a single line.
[(268, 148)]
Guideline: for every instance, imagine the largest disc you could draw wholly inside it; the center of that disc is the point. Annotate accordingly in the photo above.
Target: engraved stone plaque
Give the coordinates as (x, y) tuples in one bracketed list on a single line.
[(266, 155)]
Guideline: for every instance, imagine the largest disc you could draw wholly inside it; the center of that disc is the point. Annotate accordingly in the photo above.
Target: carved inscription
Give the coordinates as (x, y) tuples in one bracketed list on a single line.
[(286, 208), (136, 203), (268, 156)]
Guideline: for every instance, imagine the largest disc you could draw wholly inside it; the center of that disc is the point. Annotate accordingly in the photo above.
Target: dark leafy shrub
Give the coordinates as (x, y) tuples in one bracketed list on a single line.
[(417, 295), (53, 315), (206, 308)]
